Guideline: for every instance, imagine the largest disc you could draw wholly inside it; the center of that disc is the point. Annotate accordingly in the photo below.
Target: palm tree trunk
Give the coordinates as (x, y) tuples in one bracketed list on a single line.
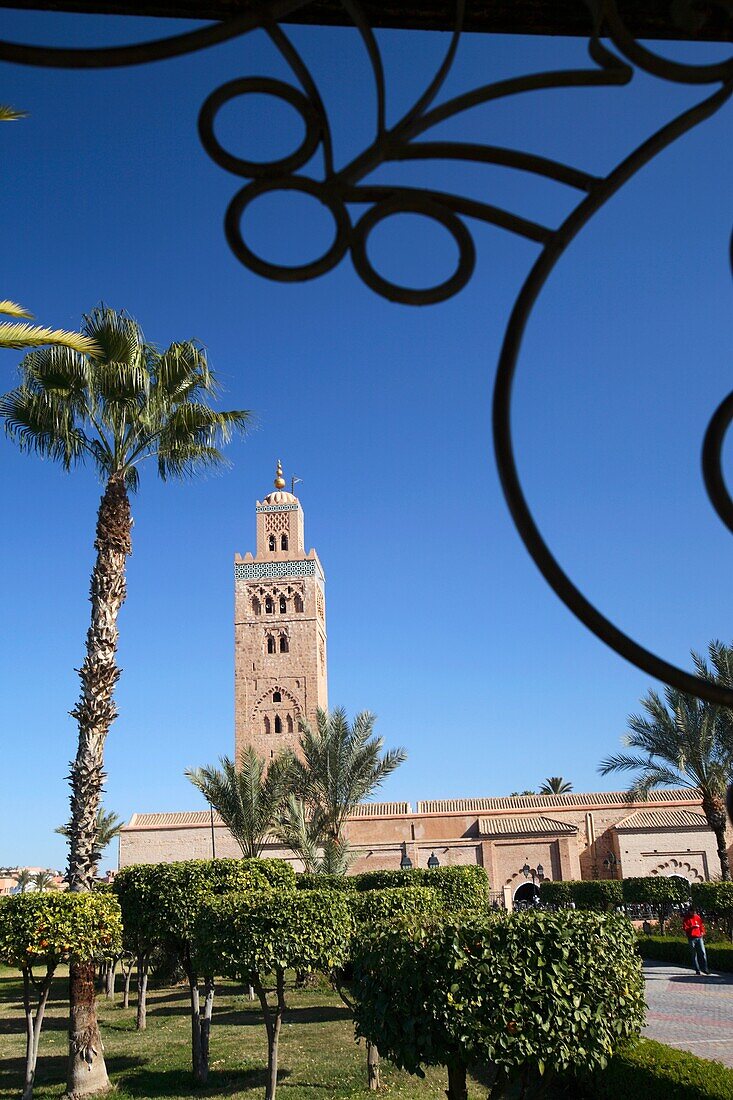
[(94, 712), (714, 809)]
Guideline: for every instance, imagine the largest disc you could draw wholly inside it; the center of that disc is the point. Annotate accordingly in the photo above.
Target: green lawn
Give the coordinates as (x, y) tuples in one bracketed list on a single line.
[(318, 1056)]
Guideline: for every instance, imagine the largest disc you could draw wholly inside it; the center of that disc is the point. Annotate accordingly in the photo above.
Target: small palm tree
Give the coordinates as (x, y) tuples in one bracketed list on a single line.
[(19, 334), (556, 785), (678, 744), (23, 880), (132, 404), (43, 880), (339, 766), (303, 829), (247, 798), (108, 827)]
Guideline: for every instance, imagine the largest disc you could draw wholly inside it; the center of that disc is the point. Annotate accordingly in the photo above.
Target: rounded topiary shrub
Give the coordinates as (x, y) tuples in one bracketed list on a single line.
[(522, 993)]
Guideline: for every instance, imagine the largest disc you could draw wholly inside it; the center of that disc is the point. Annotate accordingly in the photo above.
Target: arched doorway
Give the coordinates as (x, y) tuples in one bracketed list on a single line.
[(526, 896)]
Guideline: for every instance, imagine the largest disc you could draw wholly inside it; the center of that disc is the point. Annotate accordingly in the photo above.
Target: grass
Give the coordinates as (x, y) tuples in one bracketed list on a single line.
[(318, 1056)]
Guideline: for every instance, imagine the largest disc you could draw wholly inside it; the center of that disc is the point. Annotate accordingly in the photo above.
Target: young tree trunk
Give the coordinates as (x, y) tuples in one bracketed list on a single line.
[(273, 1026), (127, 967), (110, 982), (457, 1088), (94, 712), (200, 1025), (206, 1021), (372, 1066), (142, 992), (33, 1026)]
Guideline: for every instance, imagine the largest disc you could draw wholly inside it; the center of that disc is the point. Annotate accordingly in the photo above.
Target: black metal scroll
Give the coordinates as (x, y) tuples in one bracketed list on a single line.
[(340, 189)]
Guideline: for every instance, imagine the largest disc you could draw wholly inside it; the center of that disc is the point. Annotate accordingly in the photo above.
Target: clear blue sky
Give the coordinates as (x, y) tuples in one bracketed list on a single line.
[(438, 621)]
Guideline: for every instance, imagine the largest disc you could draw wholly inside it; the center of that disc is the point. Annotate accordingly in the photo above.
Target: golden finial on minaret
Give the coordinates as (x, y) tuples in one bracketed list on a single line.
[(279, 479)]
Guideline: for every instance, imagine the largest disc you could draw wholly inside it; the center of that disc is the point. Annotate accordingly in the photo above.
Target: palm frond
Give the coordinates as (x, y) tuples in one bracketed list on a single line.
[(12, 309), (10, 114), (21, 335)]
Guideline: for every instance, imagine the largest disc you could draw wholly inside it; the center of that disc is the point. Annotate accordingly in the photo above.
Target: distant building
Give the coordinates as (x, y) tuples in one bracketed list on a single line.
[(280, 670)]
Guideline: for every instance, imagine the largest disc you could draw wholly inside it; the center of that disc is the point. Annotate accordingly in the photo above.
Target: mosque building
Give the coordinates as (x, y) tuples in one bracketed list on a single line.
[(280, 676)]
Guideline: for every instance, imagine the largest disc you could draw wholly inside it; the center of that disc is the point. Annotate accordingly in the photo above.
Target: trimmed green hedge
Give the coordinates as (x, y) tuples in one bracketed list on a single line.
[(379, 906), (596, 895), (308, 881), (674, 949), (659, 890), (648, 1070), (457, 887), (713, 898)]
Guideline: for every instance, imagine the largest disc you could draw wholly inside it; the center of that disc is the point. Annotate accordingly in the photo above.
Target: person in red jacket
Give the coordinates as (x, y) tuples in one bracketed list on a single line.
[(695, 932)]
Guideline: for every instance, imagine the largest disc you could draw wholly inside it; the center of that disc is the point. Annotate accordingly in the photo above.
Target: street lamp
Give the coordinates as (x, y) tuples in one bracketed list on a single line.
[(433, 861), (405, 862), (537, 873)]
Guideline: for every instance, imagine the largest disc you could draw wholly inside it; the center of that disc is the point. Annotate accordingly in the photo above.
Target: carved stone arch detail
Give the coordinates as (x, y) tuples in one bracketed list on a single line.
[(678, 867), (266, 697)]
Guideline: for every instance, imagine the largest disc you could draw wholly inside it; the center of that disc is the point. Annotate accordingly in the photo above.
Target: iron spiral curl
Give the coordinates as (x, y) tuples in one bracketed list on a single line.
[(337, 190)]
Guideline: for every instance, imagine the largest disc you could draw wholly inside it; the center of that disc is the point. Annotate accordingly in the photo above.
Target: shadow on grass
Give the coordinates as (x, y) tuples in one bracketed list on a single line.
[(309, 1014), (174, 1082), (15, 1025), (51, 1070)]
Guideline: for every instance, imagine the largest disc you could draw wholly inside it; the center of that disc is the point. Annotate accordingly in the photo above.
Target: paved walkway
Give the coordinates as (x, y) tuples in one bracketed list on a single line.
[(690, 1012)]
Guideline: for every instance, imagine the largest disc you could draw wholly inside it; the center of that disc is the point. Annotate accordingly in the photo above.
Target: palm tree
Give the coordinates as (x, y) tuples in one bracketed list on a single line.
[(43, 880), (556, 785), (247, 798), (679, 745), (108, 827), (131, 404), (338, 767), (23, 880), (19, 334)]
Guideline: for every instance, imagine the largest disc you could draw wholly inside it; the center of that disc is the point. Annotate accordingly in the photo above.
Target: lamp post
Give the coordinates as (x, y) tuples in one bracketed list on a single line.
[(213, 841), (405, 862), (433, 861)]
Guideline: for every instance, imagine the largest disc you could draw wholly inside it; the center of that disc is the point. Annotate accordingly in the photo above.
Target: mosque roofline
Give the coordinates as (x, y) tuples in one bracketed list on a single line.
[(195, 819)]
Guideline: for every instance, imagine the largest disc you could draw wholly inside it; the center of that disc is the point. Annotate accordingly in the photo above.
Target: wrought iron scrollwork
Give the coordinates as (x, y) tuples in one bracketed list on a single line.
[(339, 189)]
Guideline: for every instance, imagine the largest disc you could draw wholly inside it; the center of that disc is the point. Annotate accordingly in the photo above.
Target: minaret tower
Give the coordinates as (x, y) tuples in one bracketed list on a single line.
[(279, 630)]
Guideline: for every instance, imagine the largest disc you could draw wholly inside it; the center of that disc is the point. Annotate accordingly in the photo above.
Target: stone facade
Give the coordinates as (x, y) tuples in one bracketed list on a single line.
[(279, 630), (280, 675)]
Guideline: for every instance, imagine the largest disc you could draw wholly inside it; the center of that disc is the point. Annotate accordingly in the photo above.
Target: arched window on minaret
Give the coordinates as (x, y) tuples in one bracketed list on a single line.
[(272, 543), (269, 606), (283, 605), (278, 724), (298, 601), (284, 646), (277, 697), (270, 644), (283, 542), (290, 723), (267, 725), (256, 606)]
